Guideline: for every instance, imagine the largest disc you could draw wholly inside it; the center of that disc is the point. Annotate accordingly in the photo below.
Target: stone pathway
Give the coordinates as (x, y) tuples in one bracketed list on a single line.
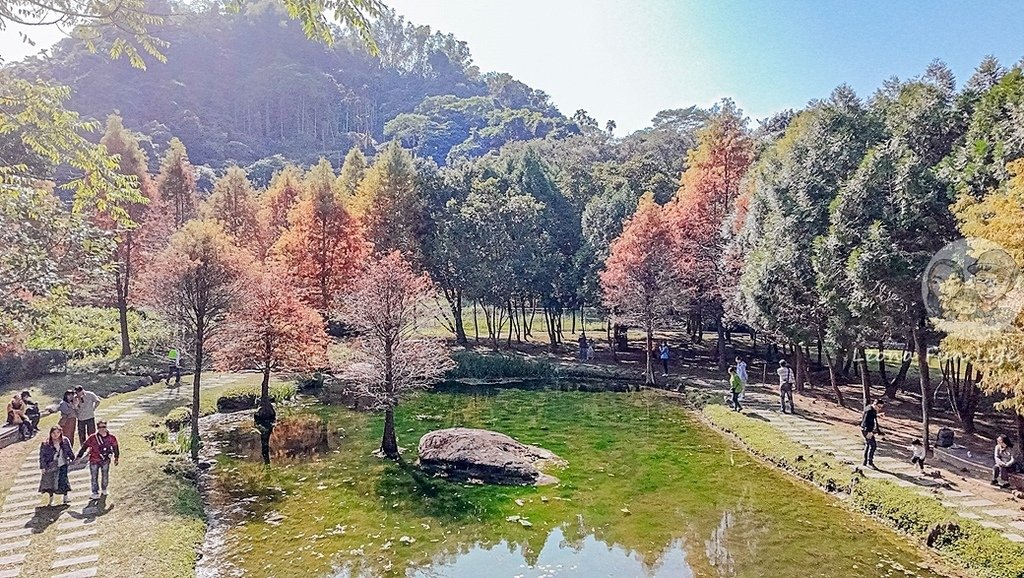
[(74, 551), (821, 436)]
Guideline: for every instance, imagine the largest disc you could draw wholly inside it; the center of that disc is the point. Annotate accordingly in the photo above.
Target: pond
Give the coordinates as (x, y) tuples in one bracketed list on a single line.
[(648, 492)]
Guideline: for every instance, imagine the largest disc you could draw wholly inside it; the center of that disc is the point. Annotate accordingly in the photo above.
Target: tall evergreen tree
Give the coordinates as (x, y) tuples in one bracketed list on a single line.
[(389, 206), (176, 183)]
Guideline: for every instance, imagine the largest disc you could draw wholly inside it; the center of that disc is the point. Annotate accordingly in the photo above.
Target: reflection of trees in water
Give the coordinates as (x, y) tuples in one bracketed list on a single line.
[(718, 551)]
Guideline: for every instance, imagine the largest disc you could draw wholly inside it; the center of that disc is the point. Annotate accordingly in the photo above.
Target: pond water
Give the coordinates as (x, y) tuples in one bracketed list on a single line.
[(648, 492)]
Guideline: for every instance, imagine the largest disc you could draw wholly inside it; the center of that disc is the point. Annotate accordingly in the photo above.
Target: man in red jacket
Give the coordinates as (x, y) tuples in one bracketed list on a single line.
[(102, 447)]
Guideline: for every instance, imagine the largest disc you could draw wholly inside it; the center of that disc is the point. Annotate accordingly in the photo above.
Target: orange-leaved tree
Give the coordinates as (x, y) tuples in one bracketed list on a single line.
[(323, 245), (638, 283), (270, 329), (133, 238), (708, 193), (192, 283), (277, 201), (387, 302)]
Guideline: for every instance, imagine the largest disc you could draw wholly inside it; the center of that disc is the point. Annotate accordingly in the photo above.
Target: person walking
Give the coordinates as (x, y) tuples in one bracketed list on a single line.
[(786, 380), (87, 404), (1004, 462), (69, 415), (173, 367), (102, 448), (741, 370), (870, 430), (917, 454), (55, 455), (663, 355), (736, 387)]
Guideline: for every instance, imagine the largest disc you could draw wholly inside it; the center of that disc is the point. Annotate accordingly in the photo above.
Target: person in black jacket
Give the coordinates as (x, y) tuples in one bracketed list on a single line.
[(869, 429)]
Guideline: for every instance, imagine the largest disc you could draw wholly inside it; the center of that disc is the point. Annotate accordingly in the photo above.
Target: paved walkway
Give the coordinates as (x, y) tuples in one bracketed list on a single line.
[(73, 551), (825, 437)]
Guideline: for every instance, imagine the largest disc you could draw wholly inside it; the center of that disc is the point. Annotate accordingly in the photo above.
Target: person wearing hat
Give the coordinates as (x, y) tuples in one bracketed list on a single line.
[(87, 404), (31, 411), (102, 448)]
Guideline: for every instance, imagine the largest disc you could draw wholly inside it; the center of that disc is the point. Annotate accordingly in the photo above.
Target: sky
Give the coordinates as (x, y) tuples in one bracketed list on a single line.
[(625, 60)]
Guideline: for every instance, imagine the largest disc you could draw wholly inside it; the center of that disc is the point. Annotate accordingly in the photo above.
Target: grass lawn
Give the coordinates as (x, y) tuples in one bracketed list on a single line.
[(643, 476)]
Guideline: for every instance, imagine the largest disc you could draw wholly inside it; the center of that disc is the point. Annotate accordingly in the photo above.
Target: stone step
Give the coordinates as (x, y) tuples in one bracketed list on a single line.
[(12, 559), (10, 573), (83, 573), (16, 533), (78, 546), (76, 535), (8, 546), (66, 562)]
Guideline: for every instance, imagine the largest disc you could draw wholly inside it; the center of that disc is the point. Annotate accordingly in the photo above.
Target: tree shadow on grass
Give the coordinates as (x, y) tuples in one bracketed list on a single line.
[(430, 496)]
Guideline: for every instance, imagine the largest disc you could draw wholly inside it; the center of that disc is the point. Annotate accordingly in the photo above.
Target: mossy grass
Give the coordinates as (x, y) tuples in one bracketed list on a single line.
[(981, 550), (642, 474)]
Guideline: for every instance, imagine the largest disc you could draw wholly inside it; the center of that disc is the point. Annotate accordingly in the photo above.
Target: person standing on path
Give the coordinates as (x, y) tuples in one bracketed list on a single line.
[(55, 455), (736, 387), (69, 415), (741, 370), (663, 355), (786, 380), (102, 447), (87, 404), (870, 430), (583, 347), (1004, 462)]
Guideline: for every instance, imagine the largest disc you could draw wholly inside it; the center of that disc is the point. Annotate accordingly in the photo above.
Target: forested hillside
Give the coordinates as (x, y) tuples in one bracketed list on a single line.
[(237, 88)]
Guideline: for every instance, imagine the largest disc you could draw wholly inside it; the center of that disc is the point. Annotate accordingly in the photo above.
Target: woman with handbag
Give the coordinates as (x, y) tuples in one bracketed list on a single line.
[(55, 455)]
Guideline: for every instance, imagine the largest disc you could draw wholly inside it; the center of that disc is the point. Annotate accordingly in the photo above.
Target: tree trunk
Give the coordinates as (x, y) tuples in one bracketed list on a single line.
[(265, 386), (921, 349), (122, 315), (649, 375), (881, 367), (476, 324), (389, 444), (848, 362), (722, 362), (833, 378), (196, 379), (865, 377), (460, 330)]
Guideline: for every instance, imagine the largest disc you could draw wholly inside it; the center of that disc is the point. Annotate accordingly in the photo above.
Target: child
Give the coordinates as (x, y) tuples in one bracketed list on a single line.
[(918, 450), (736, 387)]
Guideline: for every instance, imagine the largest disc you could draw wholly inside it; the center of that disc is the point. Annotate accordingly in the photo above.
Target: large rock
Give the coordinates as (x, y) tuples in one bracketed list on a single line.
[(491, 457)]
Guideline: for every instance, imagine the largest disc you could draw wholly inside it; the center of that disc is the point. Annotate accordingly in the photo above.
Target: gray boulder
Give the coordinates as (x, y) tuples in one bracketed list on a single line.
[(466, 454)]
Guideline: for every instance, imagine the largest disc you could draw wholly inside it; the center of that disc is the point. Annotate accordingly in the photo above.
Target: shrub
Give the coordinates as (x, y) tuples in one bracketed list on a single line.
[(178, 418), (472, 365), (299, 435), (92, 331), (242, 397)]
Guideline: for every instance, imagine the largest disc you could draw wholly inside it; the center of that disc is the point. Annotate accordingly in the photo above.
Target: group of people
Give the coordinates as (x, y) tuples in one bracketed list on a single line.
[(586, 348), (24, 413), (56, 453)]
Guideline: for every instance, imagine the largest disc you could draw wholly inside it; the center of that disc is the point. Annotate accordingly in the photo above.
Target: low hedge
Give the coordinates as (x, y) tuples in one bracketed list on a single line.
[(974, 547), (242, 397), (472, 365)]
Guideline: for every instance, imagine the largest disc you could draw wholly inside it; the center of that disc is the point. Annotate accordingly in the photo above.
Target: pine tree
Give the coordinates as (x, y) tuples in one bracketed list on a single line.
[(389, 206)]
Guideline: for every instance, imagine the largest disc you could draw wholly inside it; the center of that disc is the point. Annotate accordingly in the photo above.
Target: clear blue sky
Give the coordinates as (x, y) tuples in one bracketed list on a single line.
[(627, 59)]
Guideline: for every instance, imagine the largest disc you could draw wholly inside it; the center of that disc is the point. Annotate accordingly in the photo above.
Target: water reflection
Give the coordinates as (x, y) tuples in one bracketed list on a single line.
[(560, 557), (718, 554)]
